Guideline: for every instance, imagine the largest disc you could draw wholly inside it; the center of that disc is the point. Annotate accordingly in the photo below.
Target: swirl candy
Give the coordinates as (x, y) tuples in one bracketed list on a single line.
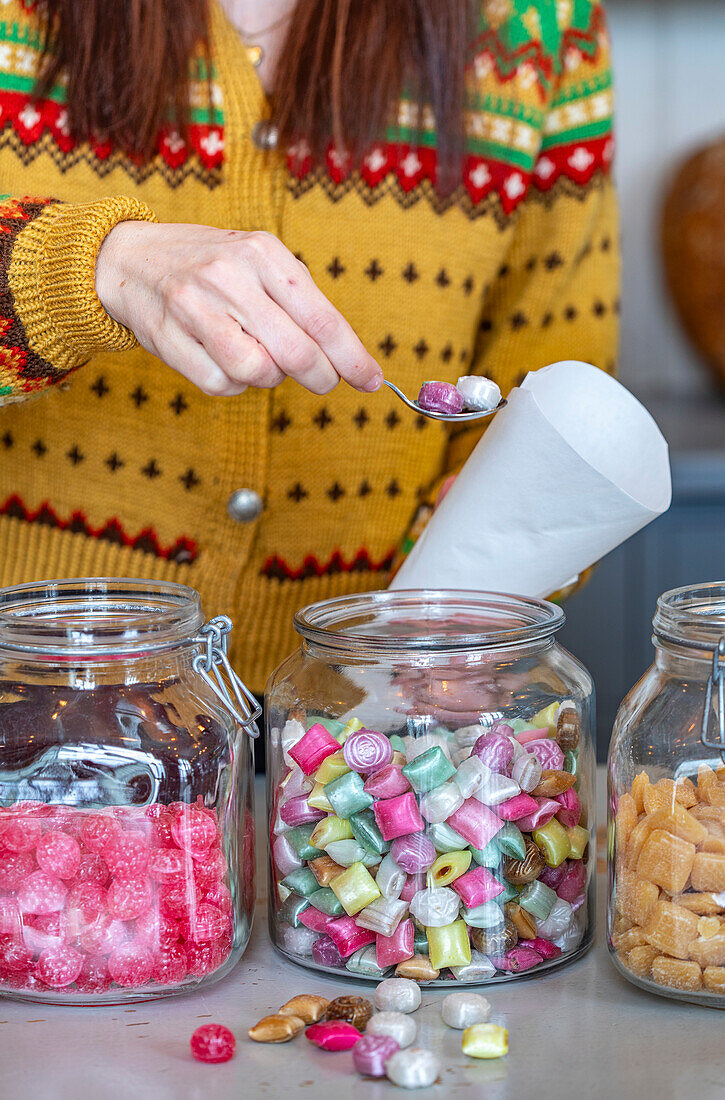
[(367, 751)]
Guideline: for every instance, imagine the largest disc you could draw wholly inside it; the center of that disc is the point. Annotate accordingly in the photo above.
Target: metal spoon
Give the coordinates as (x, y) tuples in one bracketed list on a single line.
[(450, 418)]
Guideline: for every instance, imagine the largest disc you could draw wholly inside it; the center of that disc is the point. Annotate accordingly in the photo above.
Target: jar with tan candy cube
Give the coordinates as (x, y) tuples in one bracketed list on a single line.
[(666, 842)]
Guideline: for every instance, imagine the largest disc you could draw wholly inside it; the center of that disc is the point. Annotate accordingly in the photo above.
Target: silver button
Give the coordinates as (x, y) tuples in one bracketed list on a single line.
[(265, 135), (244, 505)]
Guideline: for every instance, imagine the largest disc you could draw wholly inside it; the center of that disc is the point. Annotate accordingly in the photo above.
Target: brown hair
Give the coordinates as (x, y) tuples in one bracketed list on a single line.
[(128, 67)]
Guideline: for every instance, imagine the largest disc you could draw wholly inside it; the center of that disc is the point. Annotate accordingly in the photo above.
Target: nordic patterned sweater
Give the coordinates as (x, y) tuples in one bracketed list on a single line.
[(121, 467)]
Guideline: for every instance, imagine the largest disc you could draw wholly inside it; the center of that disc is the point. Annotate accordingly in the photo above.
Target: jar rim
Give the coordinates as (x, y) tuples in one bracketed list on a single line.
[(692, 616), (495, 620), (97, 617)]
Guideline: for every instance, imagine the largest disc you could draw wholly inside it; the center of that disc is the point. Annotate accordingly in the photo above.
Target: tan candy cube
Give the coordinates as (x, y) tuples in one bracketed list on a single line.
[(633, 937), (639, 786), (308, 1006), (671, 929), (677, 820), (708, 872), (666, 860), (624, 822), (713, 844), (640, 959), (636, 898), (709, 951), (276, 1029), (702, 904), (714, 978), (676, 973)]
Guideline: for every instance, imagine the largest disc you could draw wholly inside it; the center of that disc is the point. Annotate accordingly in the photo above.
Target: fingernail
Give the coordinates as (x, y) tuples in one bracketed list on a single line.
[(374, 384)]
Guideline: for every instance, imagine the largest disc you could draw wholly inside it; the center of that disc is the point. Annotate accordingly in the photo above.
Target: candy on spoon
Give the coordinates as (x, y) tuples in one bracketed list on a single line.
[(441, 397), (479, 394)]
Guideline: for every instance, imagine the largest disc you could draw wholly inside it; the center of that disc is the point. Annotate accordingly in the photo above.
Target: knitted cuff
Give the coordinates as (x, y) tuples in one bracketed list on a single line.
[(52, 280)]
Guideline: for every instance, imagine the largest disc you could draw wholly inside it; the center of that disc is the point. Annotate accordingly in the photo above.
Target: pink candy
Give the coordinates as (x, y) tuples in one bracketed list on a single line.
[(295, 811), (475, 823), (372, 1052), (547, 752), (286, 859), (477, 886), (571, 808), (313, 747), (518, 806), (531, 735), (315, 919), (545, 948), (212, 1043), (496, 752), (518, 958), (390, 950), (545, 810), (347, 936), (412, 885), (398, 816), (413, 854), (573, 881), (367, 751), (387, 782), (333, 1035), (440, 397)]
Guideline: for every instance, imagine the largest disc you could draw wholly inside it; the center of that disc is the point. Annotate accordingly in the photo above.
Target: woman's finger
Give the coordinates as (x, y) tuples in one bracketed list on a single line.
[(190, 358), (294, 352), (241, 357)]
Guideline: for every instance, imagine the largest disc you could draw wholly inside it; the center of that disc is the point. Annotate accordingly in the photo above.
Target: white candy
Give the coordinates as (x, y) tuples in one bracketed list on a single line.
[(297, 783), (390, 879), (298, 941), (345, 852), (496, 789), (526, 771), (472, 775), (286, 859), (460, 1010), (438, 805), (414, 1068), (477, 970), (397, 995), (558, 921), (416, 746), (382, 915), (445, 839), (365, 961), (293, 731), (478, 393), (435, 907), (571, 937), (459, 755), (467, 736), (397, 1025)]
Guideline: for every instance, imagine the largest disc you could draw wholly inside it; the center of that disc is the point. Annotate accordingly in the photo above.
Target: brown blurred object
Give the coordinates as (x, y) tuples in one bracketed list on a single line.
[(693, 243)]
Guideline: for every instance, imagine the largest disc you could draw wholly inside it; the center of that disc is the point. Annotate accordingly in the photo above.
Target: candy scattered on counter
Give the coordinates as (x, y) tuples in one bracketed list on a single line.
[(277, 1028), (212, 1043), (485, 1041), (461, 1010), (355, 1010), (414, 1068), (308, 1006), (371, 1053), (333, 1035), (397, 995), (398, 1025)]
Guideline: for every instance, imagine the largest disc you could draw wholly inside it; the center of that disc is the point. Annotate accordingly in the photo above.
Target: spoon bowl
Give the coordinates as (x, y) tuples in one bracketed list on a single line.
[(449, 418)]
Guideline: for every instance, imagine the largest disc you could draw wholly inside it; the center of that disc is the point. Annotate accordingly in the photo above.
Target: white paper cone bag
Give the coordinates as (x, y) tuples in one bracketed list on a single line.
[(571, 468)]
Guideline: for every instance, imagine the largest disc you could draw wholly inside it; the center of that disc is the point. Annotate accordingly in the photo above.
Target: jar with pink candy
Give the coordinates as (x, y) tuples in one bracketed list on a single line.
[(126, 784), (430, 778)]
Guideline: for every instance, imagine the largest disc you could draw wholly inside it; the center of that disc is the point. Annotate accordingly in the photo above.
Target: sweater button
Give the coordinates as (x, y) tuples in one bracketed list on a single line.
[(265, 135), (245, 505)]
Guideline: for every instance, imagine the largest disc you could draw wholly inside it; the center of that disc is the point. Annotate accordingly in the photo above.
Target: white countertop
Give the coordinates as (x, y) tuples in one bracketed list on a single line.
[(581, 1032)]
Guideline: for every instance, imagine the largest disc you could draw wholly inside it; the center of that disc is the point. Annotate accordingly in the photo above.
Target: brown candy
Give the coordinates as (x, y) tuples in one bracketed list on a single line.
[(325, 869), (495, 941), (552, 783), (522, 921), (418, 968), (520, 871), (568, 729), (308, 1006), (356, 1010), (276, 1029)]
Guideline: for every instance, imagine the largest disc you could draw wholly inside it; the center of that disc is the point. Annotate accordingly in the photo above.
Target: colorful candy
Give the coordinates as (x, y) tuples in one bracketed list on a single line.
[(397, 1025), (333, 1035), (461, 1010), (212, 1043), (367, 751), (442, 397), (356, 1010), (478, 393), (397, 995), (414, 1068), (485, 1041), (371, 1053)]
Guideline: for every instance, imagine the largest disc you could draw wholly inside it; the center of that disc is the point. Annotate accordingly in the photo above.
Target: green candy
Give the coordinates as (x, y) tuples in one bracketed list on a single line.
[(365, 961), (511, 841), (537, 899), (366, 832), (398, 743), (429, 770), (445, 839), (490, 856), (571, 763), (324, 900), (420, 942), (347, 795), (333, 725), (486, 915), (299, 838), (290, 910), (509, 893), (301, 882)]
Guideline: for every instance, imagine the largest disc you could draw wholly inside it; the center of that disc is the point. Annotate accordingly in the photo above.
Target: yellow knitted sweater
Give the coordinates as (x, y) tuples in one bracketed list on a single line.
[(121, 467)]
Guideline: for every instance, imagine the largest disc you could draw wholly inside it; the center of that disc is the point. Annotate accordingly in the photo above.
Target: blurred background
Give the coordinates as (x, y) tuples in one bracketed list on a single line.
[(668, 58)]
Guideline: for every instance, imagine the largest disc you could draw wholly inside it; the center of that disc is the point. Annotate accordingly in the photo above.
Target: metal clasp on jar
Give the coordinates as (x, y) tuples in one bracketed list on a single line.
[(715, 679), (213, 662)]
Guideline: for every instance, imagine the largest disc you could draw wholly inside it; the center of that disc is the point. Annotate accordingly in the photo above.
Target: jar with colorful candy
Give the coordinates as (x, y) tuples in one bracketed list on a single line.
[(666, 916), (126, 785), (430, 777)]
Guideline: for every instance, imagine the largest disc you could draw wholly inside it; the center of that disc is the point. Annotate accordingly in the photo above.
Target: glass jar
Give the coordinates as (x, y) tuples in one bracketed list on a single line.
[(666, 912), (126, 787), (430, 780)]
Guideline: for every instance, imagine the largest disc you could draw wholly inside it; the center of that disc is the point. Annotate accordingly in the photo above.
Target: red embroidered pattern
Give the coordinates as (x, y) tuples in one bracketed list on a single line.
[(183, 551), (276, 568)]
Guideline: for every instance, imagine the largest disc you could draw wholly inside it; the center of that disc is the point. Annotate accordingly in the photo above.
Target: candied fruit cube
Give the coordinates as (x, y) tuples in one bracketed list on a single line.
[(636, 898), (654, 799), (708, 872), (639, 960), (677, 973), (677, 820), (703, 904), (633, 937), (636, 842), (666, 860), (713, 844), (714, 793), (713, 978), (641, 782), (625, 821), (671, 929), (705, 778), (709, 951), (686, 792)]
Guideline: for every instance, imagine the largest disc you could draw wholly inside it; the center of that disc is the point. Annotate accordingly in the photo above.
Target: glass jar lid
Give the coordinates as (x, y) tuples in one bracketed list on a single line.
[(97, 617), (428, 620)]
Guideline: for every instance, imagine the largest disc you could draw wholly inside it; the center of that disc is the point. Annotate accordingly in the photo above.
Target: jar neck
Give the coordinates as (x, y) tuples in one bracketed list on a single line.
[(681, 661)]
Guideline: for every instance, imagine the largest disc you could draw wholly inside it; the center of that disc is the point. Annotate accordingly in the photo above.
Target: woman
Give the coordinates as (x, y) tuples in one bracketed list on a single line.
[(416, 188)]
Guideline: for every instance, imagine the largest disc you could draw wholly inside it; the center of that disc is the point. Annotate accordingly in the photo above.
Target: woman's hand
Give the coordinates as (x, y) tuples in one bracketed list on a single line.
[(228, 309)]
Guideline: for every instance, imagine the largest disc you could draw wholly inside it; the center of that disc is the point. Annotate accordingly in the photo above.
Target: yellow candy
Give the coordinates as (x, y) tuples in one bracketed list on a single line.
[(449, 945), (318, 799), (355, 888), (578, 840), (546, 717), (553, 840), (448, 867), (330, 829), (485, 1041), (331, 768), (352, 727)]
